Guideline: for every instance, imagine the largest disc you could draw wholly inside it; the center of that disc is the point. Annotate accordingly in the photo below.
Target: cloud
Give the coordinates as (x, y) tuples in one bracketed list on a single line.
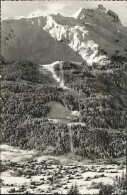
[(30, 9), (47, 9), (36, 13), (66, 8), (55, 7)]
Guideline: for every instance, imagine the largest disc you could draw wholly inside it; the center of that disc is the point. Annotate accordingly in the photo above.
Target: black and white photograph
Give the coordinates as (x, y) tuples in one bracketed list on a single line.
[(63, 100)]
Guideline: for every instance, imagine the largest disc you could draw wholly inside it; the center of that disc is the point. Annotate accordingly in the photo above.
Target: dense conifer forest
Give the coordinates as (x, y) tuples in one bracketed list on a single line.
[(100, 93)]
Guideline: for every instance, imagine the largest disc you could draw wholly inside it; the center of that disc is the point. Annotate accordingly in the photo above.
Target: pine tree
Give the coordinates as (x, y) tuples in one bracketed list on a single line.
[(73, 190)]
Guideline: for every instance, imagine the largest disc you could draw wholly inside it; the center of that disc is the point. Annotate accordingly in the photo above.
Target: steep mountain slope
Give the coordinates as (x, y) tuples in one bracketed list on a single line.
[(26, 39), (92, 35), (32, 93)]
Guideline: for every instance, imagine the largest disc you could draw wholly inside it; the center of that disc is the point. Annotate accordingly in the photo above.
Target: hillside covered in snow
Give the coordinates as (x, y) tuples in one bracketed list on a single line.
[(93, 35)]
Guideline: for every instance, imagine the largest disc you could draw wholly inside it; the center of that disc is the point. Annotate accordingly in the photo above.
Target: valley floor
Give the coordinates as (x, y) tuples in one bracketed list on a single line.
[(64, 104), (31, 171)]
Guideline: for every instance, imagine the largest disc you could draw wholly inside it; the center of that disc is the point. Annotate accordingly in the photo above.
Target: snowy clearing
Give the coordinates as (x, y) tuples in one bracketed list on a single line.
[(50, 67)]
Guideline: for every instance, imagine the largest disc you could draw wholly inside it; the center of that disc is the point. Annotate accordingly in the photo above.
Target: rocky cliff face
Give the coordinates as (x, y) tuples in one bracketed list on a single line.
[(93, 35)]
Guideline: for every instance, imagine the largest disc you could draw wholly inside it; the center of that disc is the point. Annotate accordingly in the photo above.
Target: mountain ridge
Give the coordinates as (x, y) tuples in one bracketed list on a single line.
[(83, 38)]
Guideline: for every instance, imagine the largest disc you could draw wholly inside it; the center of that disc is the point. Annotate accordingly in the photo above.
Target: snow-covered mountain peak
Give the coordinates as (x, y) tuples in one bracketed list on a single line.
[(82, 11), (76, 15), (13, 18), (99, 16), (93, 35)]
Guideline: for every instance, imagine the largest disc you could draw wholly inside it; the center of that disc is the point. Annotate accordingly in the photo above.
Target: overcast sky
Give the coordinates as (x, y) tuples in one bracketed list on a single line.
[(66, 8)]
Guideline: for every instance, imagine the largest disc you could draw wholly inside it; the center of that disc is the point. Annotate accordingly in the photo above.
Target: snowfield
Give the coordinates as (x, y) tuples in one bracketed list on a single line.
[(50, 67)]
